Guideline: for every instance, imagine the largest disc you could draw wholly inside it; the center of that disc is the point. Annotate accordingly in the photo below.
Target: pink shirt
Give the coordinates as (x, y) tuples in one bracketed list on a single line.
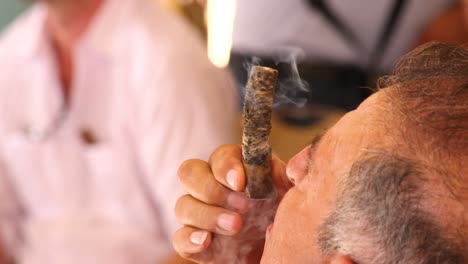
[(144, 88)]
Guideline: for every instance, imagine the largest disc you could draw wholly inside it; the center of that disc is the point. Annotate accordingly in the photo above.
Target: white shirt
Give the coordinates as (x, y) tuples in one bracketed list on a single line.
[(273, 27), (145, 88)]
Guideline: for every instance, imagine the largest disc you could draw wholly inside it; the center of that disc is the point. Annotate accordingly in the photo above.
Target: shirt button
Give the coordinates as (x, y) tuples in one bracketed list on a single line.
[(88, 137)]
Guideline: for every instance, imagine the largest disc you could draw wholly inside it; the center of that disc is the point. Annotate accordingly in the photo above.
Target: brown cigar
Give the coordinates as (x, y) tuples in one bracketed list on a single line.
[(256, 149)]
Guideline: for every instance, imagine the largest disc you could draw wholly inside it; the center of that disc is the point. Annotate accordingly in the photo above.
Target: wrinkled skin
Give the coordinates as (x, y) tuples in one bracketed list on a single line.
[(314, 173)]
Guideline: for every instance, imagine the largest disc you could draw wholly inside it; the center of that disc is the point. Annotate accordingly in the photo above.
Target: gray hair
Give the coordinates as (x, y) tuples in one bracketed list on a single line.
[(380, 214), (378, 220)]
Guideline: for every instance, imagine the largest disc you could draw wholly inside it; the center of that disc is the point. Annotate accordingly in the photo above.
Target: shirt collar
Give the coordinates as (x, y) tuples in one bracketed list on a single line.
[(35, 40), (100, 37), (111, 21)]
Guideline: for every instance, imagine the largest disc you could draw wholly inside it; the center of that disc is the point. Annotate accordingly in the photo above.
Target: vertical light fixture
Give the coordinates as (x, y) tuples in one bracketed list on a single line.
[(220, 23)]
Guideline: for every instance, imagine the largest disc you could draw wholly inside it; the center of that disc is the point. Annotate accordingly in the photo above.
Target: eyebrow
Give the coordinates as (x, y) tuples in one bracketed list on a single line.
[(313, 146)]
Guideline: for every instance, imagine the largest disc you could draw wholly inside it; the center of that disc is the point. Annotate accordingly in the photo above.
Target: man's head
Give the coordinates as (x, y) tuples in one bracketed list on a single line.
[(388, 183)]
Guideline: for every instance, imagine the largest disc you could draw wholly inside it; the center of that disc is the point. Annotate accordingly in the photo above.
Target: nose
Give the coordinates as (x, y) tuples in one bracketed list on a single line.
[(297, 167)]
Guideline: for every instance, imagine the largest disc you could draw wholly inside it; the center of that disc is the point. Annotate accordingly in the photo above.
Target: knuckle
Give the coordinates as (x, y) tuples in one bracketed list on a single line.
[(214, 196), (223, 150), (175, 240), (186, 255), (186, 168), (180, 207), (178, 248)]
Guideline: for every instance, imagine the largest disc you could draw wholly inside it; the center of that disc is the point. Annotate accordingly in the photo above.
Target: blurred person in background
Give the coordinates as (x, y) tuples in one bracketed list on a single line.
[(100, 100), (341, 45)]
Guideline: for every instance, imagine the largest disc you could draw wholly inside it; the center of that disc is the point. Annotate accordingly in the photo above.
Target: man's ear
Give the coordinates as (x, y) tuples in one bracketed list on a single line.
[(341, 259)]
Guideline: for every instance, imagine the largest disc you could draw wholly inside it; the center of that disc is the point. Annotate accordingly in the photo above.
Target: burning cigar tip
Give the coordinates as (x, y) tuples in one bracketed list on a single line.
[(264, 77), (264, 69)]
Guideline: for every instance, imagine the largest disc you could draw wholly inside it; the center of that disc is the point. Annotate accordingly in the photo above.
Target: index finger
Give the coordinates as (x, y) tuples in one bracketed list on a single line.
[(227, 167)]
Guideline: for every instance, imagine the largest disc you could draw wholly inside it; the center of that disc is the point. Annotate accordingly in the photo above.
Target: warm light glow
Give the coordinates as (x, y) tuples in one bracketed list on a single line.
[(220, 21)]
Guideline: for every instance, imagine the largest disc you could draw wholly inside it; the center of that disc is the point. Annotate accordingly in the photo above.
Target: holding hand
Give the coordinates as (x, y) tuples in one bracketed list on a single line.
[(216, 214)]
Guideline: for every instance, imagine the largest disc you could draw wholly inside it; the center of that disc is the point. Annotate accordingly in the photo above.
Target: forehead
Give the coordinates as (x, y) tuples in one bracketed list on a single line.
[(356, 132)]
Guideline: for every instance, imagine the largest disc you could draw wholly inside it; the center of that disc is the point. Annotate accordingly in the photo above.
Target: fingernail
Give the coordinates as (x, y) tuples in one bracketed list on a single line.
[(232, 178), (226, 222), (198, 237), (238, 201)]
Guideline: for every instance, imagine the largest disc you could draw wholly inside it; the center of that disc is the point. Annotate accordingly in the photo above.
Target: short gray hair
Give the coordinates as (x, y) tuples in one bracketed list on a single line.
[(377, 218), (379, 215)]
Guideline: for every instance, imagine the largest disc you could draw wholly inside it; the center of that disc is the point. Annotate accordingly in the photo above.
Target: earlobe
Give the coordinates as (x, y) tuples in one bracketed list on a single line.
[(341, 259)]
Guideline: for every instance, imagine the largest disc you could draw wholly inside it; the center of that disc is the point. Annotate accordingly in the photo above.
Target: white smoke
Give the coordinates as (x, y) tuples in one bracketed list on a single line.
[(236, 249), (290, 88)]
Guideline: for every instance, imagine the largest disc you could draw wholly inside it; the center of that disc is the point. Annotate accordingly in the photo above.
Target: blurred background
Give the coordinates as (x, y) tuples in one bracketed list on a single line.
[(329, 53), (9, 9), (294, 127)]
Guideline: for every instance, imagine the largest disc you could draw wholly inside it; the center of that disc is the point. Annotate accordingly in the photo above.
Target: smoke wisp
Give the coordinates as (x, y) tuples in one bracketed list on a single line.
[(236, 249), (291, 88)]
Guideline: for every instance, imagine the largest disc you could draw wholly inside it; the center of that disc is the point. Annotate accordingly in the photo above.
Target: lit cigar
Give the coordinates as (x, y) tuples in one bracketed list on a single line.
[(256, 149)]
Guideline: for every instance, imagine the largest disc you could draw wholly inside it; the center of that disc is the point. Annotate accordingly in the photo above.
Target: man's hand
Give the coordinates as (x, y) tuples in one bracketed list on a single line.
[(215, 208)]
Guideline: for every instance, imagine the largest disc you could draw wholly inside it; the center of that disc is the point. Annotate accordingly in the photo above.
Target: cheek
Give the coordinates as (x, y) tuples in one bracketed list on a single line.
[(291, 239)]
